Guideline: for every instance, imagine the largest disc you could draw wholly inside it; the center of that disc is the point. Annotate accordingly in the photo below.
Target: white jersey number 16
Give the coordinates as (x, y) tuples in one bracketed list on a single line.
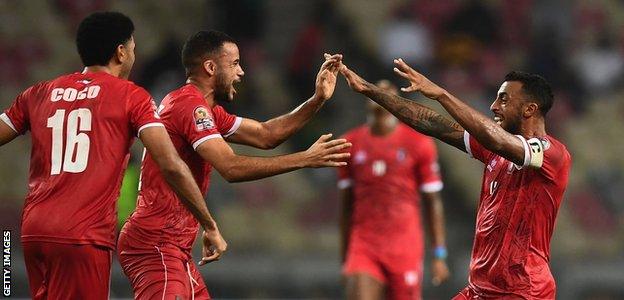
[(77, 143)]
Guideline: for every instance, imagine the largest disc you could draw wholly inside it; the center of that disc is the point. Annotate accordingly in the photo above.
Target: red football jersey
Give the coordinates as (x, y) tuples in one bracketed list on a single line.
[(160, 216), (82, 126), (386, 174), (515, 219)]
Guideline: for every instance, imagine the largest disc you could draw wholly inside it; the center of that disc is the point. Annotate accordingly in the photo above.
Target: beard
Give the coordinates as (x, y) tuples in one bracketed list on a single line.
[(222, 89), (512, 125)]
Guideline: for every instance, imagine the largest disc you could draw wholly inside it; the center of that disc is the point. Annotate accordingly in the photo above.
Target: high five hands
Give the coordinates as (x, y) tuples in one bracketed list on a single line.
[(418, 82), (326, 77)]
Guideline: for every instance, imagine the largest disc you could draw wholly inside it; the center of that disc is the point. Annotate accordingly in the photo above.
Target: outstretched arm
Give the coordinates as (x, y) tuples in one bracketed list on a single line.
[(236, 168), (419, 117), (271, 133), (483, 129)]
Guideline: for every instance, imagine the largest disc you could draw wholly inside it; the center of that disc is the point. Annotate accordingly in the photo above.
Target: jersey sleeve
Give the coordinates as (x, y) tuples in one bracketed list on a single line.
[(226, 123), (142, 110), (196, 122), (539, 153), (427, 167), (345, 179), (17, 116), (548, 157), (475, 149)]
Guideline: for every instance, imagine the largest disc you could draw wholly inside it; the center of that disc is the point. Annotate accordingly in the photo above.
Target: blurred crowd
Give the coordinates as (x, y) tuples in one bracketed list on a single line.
[(466, 46)]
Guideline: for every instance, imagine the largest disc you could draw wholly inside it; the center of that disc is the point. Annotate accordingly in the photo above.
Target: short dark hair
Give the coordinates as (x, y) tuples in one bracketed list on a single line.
[(100, 34), (536, 87), (200, 45)]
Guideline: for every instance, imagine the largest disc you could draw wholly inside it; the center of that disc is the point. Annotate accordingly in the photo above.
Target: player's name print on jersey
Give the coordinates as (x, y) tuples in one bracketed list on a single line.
[(77, 124), (72, 94), (203, 119)]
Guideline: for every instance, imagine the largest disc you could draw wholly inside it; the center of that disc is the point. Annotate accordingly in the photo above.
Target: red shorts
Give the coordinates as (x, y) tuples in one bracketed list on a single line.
[(401, 273), (160, 272), (67, 271)]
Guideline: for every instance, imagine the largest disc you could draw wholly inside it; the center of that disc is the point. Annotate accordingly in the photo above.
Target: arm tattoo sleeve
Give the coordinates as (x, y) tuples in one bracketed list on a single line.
[(419, 117)]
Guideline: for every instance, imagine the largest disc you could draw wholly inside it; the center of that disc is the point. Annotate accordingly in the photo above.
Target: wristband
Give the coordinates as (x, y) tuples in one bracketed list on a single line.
[(439, 252)]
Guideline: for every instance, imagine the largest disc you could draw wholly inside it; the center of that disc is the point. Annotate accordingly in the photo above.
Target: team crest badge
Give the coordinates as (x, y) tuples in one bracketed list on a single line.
[(545, 143), (401, 155), (203, 119)]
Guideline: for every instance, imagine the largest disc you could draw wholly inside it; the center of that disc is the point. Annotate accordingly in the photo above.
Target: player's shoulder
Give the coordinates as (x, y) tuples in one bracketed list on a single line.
[(45, 86), (134, 90), (117, 87), (219, 110), (36, 90), (38, 87), (62, 80), (548, 152), (553, 145), (186, 96)]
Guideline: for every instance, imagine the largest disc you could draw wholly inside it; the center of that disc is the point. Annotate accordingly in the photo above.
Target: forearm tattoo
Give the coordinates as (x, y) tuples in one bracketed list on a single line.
[(419, 117)]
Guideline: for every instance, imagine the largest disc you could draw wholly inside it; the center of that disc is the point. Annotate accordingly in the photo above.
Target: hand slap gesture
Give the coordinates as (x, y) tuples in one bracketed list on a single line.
[(355, 82), (326, 77)]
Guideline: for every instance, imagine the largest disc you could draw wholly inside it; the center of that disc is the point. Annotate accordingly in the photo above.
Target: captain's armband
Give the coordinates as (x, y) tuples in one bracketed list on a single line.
[(536, 154)]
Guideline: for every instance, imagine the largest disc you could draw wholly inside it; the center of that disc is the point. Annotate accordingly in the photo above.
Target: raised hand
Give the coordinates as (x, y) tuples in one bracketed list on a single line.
[(327, 153), (326, 77), (213, 246), (418, 82), (355, 82)]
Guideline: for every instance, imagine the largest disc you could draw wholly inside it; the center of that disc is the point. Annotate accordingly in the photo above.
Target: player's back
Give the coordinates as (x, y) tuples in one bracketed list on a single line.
[(82, 126)]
